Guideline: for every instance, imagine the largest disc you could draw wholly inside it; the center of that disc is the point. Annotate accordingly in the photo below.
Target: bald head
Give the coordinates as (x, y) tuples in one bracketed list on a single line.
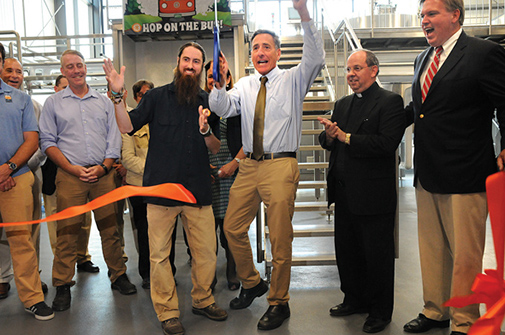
[(12, 73)]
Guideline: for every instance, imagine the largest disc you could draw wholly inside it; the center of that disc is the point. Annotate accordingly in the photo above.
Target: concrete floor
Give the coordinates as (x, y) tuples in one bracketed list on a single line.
[(96, 309)]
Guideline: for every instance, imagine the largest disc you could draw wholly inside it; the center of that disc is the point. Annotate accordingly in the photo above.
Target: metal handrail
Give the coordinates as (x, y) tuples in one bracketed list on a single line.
[(18, 40)]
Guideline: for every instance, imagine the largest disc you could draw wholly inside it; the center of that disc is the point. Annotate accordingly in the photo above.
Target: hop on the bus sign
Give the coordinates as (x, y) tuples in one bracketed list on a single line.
[(174, 16)]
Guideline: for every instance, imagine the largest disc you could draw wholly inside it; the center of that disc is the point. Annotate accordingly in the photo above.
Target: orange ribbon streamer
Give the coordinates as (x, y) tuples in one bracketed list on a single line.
[(168, 190), (489, 288)]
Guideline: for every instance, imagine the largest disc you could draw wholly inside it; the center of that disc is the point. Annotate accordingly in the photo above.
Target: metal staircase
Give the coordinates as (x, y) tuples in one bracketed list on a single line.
[(40, 58)]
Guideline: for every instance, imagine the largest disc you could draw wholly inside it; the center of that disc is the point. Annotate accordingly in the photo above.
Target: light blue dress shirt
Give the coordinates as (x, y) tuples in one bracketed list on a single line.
[(16, 117), (84, 129), (286, 90)]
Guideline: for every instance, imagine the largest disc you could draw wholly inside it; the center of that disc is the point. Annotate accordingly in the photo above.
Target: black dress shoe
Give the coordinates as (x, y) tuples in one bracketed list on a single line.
[(88, 266), (422, 324), (62, 299), (4, 290), (375, 325), (247, 296), (123, 285), (274, 317), (146, 283), (344, 310)]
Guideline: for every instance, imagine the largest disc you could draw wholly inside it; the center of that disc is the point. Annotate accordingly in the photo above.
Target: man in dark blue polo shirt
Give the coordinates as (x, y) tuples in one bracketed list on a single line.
[(181, 137)]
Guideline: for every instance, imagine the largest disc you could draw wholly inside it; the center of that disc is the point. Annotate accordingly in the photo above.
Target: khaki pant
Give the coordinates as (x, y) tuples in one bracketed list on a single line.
[(37, 208), (83, 239), (73, 192), (198, 223), (17, 205), (452, 229), (274, 182)]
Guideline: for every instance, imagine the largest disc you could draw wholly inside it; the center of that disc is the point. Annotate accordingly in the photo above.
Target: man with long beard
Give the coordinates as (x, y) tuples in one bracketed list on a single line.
[(181, 135)]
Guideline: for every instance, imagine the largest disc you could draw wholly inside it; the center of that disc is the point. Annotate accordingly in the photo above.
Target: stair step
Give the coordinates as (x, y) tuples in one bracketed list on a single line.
[(311, 131), (318, 88), (314, 117), (288, 63), (317, 98), (311, 148), (320, 106), (309, 259), (313, 165), (313, 206), (291, 49), (288, 55), (304, 184), (310, 230)]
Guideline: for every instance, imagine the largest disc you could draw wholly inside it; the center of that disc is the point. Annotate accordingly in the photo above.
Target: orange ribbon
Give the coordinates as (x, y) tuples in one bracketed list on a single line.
[(168, 190), (489, 288)]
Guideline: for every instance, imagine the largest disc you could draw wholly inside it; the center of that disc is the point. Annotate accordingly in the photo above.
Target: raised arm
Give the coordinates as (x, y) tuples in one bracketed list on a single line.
[(116, 84)]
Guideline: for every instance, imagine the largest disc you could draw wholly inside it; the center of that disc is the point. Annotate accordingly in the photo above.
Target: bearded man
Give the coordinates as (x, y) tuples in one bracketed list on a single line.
[(178, 153)]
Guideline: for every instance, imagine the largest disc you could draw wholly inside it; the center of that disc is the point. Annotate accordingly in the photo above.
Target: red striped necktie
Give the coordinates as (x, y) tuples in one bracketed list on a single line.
[(432, 71)]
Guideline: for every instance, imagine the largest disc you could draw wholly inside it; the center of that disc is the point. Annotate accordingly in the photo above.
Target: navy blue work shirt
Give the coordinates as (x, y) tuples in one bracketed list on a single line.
[(177, 151)]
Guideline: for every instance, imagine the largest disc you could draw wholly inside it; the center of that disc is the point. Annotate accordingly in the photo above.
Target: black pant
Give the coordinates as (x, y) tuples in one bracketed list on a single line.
[(364, 246), (139, 209)]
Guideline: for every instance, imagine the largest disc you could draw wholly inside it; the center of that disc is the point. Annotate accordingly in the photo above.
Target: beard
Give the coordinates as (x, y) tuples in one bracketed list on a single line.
[(187, 87)]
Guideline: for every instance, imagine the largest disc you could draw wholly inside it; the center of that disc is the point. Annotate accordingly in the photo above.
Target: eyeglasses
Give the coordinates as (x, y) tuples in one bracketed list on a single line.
[(356, 68)]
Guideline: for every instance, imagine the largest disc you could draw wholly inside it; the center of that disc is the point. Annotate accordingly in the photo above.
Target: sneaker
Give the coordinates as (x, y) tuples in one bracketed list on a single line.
[(172, 327), (212, 312), (41, 311), (62, 299), (123, 285)]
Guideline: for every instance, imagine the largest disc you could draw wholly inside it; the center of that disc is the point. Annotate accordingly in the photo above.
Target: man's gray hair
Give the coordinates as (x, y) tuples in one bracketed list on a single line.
[(276, 38), (71, 52)]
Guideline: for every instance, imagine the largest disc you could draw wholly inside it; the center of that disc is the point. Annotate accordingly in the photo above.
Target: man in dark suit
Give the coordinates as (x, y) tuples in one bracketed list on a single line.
[(363, 135), (454, 154)]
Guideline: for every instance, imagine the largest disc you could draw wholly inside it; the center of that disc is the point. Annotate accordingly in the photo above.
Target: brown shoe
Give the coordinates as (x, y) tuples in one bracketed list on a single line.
[(213, 312), (172, 327), (4, 290)]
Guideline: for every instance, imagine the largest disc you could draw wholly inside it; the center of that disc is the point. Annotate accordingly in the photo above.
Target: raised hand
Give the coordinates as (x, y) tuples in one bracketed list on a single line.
[(301, 7), (202, 121), (116, 80)]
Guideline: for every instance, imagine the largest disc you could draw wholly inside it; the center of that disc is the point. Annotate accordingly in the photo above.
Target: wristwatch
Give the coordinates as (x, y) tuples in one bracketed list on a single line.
[(348, 139), (105, 168), (12, 166)]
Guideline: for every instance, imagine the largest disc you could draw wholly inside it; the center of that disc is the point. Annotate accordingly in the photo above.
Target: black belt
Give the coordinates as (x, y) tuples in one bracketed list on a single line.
[(273, 155)]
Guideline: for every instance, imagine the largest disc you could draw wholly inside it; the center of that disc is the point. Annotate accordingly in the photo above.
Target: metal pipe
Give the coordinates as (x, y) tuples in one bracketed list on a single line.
[(372, 18), (490, 17), (18, 41)]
